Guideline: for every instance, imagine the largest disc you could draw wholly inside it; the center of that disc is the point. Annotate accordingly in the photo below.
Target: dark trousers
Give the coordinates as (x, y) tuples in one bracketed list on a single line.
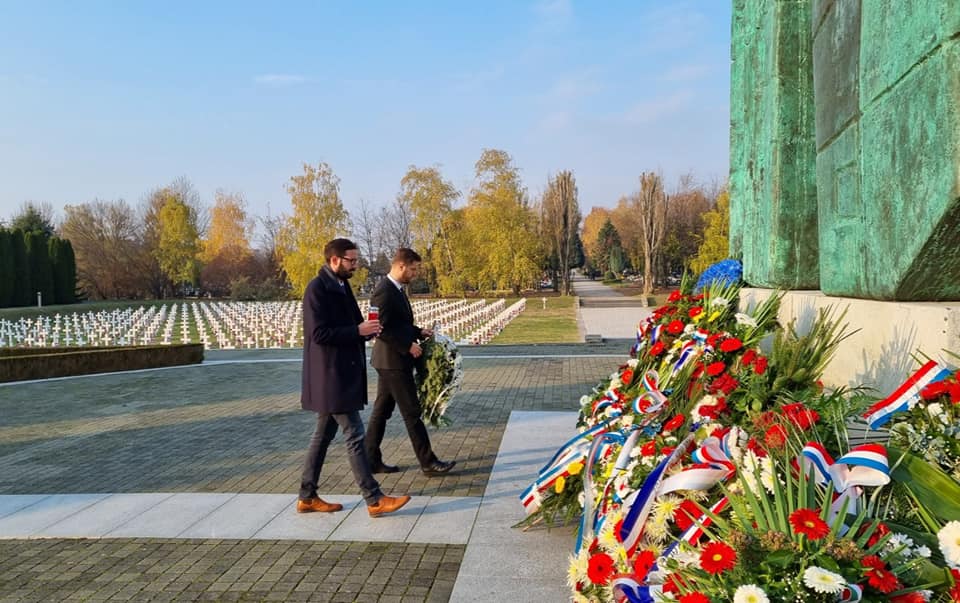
[(396, 388), (352, 426)]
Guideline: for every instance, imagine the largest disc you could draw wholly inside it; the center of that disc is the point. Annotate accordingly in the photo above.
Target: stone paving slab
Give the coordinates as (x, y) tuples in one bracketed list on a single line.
[(290, 525), (240, 517), (171, 516), (102, 517), (45, 512)]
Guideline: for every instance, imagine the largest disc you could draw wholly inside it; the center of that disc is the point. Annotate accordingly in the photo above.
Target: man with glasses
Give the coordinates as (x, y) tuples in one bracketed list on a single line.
[(335, 379)]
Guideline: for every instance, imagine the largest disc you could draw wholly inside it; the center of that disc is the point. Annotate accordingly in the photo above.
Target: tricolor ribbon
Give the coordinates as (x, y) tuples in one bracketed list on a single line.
[(598, 450), (652, 400), (851, 594), (713, 465), (637, 506), (687, 353), (864, 465), (905, 395), (627, 589)]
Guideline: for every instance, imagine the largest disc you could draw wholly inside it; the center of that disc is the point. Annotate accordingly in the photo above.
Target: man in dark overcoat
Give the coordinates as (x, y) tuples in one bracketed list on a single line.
[(394, 353), (335, 379)]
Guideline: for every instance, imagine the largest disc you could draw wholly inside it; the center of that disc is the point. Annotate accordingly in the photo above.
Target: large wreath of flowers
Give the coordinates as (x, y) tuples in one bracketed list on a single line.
[(439, 376)]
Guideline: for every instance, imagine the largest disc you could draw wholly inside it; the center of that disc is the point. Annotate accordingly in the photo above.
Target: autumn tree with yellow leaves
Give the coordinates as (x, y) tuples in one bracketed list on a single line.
[(318, 216)]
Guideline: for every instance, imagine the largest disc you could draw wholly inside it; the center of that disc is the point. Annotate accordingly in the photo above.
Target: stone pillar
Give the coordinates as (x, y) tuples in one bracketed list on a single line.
[(887, 90), (773, 218)]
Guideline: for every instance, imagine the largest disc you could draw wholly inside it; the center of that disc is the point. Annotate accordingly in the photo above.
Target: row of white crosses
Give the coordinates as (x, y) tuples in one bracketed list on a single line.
[(492, 327), (232, 325)]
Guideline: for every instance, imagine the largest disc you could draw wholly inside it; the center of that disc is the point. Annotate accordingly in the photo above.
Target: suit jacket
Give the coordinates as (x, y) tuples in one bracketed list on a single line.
[(334, 358), (391, 350)]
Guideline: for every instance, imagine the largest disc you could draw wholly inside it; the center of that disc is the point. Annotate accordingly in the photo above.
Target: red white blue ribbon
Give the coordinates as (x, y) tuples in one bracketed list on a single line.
[(598, 450), (627, 589), (863, 466), (851, 594), (906, 394), (652, 400)]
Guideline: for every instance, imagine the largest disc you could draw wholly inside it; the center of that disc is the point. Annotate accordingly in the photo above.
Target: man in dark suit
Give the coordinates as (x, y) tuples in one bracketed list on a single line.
[(335, 379), (394, 353)]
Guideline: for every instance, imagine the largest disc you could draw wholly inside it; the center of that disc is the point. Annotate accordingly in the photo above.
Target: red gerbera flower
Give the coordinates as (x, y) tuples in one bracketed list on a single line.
[(600, 568), (626, 376), (808, 523), (694, 597), (674, 296), (695, 311), (715, 368), (760, 365), (717, 557), (674, 423), (731, 345), (881, 578), (955, 591), (675, 327), (643, 564), (657, 349)]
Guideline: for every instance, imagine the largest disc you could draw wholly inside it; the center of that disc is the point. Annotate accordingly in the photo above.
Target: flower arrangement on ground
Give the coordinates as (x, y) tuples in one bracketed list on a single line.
[(439, 376)]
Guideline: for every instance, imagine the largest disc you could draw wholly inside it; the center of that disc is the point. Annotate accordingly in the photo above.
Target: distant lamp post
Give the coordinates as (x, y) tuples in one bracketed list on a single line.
[(544, 302), (39, 299)]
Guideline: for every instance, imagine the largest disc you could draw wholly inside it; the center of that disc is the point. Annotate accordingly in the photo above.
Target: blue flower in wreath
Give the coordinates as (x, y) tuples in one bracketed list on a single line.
[(730, 271)]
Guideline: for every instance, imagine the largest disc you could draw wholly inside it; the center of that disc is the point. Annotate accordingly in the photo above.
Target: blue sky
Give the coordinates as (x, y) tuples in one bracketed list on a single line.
[(112, 99)]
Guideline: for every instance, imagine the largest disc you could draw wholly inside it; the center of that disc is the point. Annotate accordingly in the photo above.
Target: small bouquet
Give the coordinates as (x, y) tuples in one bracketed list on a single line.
[(439, 377)]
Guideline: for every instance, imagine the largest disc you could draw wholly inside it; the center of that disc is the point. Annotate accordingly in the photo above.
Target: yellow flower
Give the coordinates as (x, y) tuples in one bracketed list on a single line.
[(714, 316), (559, 484), (575, 467)]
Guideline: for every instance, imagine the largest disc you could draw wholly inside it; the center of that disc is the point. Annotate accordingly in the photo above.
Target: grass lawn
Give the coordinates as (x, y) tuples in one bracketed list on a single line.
[(555, 324)]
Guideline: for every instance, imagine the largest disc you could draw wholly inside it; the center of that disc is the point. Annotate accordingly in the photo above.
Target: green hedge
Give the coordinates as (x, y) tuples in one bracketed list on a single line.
[(22, 364)]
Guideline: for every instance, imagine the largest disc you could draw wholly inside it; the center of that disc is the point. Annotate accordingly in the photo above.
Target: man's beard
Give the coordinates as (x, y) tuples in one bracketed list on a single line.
[(344, 272)]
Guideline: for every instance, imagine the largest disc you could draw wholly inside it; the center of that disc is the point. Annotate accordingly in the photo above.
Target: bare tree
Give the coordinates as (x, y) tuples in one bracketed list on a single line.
[(366, 231), (395, 224), (652, 210), (561, 222)]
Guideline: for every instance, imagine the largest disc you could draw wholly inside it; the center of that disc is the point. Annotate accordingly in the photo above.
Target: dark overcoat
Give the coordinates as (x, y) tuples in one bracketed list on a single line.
[(391, 350), (334, 358)]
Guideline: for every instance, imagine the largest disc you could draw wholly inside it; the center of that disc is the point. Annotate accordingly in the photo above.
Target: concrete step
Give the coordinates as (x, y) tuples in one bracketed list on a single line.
[(612, 302)]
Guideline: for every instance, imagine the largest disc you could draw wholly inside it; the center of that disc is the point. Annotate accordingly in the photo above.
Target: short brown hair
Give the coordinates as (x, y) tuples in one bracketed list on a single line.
[(406, 256)]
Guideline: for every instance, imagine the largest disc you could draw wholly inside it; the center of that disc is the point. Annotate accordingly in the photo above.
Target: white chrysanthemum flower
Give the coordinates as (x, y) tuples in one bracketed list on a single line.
[(577, 571), (720, 301), (626, 420), (949, 537), (750, 593), (922, 551), (823, 581), (685, 556), (633, 362), (767, 475), (745, 319), (690, 328)]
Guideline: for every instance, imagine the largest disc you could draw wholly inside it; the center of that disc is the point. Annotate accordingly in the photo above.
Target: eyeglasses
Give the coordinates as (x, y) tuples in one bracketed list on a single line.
[(351, 260)]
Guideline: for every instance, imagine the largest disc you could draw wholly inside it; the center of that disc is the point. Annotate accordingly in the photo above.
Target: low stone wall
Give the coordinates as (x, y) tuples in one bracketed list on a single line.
[(22, 364), (888, 334)]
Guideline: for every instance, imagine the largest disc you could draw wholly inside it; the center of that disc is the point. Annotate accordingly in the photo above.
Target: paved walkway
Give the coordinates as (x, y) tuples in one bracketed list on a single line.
[(609, 322), (177, 485)]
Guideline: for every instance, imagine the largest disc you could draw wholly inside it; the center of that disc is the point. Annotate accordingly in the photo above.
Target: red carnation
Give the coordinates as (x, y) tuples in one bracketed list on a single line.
[(715, 368), (694, 597), (657, 349), (600, 568), (748, 357), (643, 564), (712, 339), (878, 533), (731, 345), (713, 410), (648, 449), (717, 557), (667, 450), (724, 383), (695, 311), (674, 296), (808, 523), (675, 327), (626, 376), (760, 366), (696, 297), (800, 415), (673, 423), (933, 390), (914, 597)]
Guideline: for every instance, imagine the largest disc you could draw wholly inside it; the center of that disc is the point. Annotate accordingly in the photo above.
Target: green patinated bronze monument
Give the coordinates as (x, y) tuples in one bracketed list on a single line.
[(845, 146)]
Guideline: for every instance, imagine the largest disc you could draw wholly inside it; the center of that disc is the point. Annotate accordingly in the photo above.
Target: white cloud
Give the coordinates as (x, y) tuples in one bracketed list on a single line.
[(279, 79)]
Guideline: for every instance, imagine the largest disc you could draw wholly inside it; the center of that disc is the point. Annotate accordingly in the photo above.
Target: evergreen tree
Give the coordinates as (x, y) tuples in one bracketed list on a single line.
[(607, 239), (38, 261), (68, 262), (22, 280), (6, 269), (64, 271)]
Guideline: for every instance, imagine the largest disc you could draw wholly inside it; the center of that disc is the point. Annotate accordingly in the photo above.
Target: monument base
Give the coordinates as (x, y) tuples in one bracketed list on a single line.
[(880, 354)]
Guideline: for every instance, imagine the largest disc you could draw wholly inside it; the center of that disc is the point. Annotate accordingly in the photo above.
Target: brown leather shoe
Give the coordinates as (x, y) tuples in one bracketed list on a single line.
[(387, 504), (311, 505)]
